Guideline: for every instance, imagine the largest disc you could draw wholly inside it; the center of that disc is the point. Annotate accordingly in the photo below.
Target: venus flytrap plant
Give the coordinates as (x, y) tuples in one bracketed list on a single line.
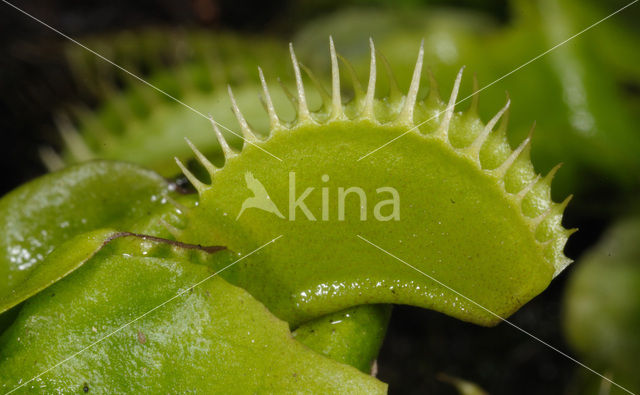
[(586, 127), (89, 251), (473, 223), (138, 126), (456, 179), (352, 336), (149, 50), (83, 198), (141, 126), (587, 124), (41, 215), (196, 343)]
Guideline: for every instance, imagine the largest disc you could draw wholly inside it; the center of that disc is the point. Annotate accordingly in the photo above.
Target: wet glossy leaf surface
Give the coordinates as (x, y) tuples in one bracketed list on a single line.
[(197, 342), (42, 214), (66, 258)]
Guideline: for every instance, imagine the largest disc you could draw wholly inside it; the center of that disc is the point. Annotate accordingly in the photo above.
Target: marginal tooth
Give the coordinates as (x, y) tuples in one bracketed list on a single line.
[(50, 158), (357, 88), (336, 99), (443, 130), (211, 169), (544, 187), (556, 244), (562, 264), (562, 206), (406, 115), (73, 140), (247, 133), (273, 116), (524, 147), (175, 232), (476, 146), (475, 98), (524, 191), (504, 121), (569, 232), (367, 109), (394, 92), (226, 150), (197, 184), (326, 99), (552, 173), (303, 109), (554, 209)]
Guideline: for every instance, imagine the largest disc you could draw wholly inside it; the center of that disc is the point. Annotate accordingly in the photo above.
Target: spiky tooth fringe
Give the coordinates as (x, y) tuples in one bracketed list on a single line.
[(406, 115), (209, 167), (274, 120), (336, 94), (523, 148), (197, 184), (539, 200), (552, 173), (51, 159), (443, 130), (367, 105), (476, 146), (324, 95), (290, 96), (303, 110), (247, 134), (73, 140), (531, 192), (554, 209), (226, 149)]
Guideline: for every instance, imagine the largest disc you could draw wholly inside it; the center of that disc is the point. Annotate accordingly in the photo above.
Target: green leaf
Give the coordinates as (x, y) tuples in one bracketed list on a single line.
[(471, 230), (69, 256), (39, 216), (212, 338), (353, 336)]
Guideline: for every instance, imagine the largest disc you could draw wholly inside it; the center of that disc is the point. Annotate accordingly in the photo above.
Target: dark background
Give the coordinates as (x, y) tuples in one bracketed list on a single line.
[(34, 80)]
